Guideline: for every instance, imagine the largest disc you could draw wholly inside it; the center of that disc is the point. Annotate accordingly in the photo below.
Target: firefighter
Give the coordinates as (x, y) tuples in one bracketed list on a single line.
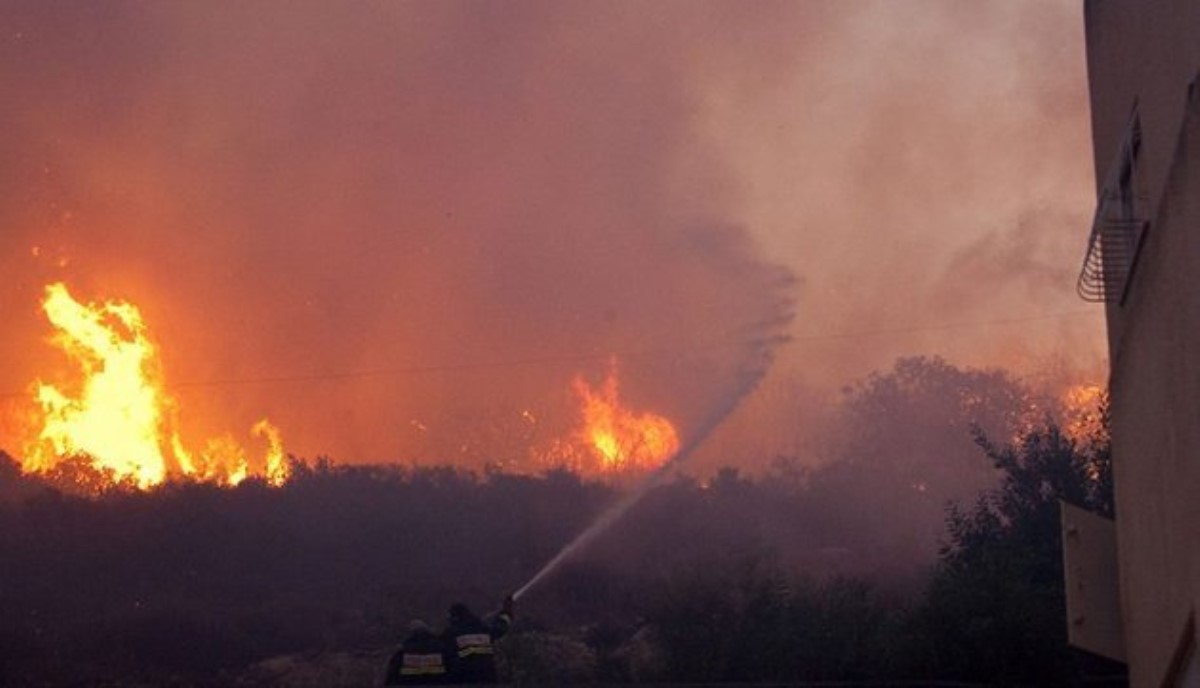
[(469, 640), (421, 659)]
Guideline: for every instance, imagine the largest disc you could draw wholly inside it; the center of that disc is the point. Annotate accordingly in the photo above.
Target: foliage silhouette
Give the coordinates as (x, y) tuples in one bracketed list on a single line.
[(995, 609), (737, 578)]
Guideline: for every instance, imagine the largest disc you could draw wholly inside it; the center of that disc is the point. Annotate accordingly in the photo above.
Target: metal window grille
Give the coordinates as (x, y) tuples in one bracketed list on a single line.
[(1112, 251), (1117, 229)]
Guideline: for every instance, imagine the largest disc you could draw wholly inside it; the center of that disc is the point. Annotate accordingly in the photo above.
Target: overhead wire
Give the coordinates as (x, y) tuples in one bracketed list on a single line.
[(398, 371)]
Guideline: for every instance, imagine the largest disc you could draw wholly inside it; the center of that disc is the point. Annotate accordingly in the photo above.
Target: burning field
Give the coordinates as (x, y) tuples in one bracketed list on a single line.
[(310, 579), (317, 316), (111, 415), (113, 412)]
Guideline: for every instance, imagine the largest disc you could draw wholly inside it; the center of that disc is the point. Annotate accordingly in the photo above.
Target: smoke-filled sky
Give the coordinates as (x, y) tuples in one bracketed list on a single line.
[(391, 227)]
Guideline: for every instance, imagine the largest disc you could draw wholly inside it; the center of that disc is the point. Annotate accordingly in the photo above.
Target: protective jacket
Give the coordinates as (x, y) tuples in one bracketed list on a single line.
[(421, 660), (471, 654)]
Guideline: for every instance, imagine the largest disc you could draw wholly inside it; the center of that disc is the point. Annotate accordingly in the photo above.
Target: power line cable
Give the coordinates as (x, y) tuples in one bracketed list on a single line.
[(584, 357), (949, 326)]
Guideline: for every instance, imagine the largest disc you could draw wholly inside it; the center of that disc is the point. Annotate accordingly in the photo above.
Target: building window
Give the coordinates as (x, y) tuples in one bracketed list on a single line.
[(1119, 226)]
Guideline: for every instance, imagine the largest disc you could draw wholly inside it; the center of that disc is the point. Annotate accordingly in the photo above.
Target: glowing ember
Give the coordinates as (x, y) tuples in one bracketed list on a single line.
[(120, 418), (620, 439)]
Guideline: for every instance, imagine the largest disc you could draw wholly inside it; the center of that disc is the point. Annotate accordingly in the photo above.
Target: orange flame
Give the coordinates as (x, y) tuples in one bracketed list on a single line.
[(1081, 411), (620, 439), (120, 419)]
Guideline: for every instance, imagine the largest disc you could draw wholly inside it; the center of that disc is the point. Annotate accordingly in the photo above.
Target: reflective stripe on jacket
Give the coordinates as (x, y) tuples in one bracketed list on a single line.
[(469, 644), (413, 664)]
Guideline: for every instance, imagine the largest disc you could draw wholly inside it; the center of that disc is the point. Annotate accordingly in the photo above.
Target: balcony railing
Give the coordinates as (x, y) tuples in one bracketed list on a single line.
[(1112, 252), (1118, 229)]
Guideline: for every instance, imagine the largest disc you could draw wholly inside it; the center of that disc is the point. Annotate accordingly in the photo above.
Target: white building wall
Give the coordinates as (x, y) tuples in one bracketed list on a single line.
[(1148, 55)]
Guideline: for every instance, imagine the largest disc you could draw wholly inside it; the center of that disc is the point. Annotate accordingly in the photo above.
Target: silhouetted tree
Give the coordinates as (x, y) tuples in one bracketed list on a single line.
[(995, 610), (191, 583), (900, 449)]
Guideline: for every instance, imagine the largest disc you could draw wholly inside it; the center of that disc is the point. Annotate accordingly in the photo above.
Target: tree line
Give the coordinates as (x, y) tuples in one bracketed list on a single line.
[(779, 577)]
